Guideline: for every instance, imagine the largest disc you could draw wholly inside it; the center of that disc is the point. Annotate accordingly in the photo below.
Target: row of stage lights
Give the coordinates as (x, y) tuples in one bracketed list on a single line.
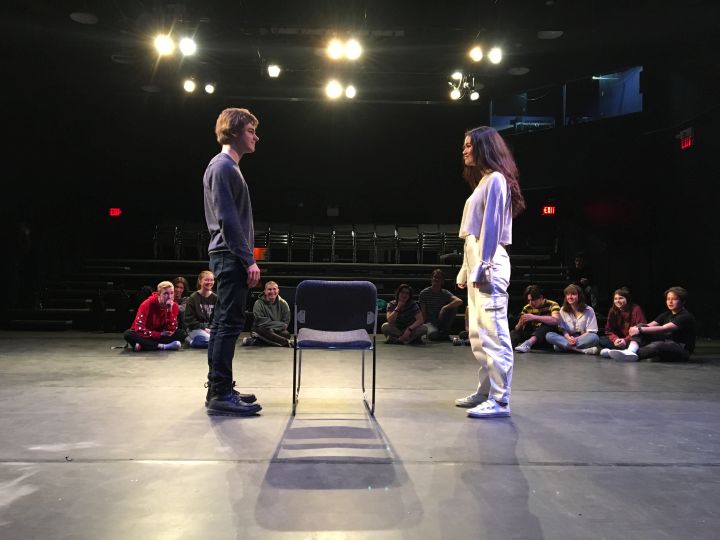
[(338, 50)]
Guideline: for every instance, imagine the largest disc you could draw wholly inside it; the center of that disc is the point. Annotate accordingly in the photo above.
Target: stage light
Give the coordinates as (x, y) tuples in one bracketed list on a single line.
[(455, 94), (188, 46), (273, 71), (333, 89), (350, 92), (353, 49), (476, 54), (335, 49), (474, 95), (210, 88), (456, 76), (189, 85), (495, 55), (164, 45)]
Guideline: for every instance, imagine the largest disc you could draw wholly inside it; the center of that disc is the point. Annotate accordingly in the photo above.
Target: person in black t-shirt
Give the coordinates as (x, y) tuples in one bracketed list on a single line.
[(404, 319), (671, 336)]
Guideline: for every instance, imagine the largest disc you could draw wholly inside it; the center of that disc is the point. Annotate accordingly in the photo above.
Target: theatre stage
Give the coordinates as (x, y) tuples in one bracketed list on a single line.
[(100, 443)]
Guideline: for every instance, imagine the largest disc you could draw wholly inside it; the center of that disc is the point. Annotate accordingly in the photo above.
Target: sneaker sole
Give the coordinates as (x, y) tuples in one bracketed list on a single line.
[(213, 412), (497, 414), (468, 404), (249, 400)]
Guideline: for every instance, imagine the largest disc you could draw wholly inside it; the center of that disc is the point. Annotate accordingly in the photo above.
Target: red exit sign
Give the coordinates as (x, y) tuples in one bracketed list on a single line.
[(686, 138), (115, 212), (549, 210)]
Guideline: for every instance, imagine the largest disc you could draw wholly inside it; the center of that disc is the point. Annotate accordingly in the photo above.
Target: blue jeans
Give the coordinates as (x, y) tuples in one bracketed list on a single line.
[(228, 319), (588, 340)]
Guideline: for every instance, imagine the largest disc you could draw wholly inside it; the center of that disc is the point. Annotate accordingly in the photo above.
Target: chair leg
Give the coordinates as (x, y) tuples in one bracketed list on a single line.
[(369, 406), (294, 385)]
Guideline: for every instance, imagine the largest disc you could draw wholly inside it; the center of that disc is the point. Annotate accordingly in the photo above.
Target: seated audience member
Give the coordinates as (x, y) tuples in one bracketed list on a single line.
[(670, 337), (271, 319), (155, 326), (199, 311), (537, 318), (582, 275), (622, 315), (182, 290), (439, 307), (578, 324), (463, 337), (404, 319)]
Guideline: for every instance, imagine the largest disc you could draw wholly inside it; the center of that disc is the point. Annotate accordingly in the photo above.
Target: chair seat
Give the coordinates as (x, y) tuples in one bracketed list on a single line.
[(307, 338)]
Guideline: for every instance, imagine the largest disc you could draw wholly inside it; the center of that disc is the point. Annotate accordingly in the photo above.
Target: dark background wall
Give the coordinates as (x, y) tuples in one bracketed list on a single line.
[(643, 211)]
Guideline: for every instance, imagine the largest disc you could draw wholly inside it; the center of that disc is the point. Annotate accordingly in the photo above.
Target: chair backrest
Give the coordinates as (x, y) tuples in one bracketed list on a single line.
[(336, 306)]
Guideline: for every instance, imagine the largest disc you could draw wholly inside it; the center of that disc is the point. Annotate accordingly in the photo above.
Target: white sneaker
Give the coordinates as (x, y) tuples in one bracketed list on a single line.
[(473, 400), (623, 356), (523, 347), (489, 409), (605, 353), (591, 350)]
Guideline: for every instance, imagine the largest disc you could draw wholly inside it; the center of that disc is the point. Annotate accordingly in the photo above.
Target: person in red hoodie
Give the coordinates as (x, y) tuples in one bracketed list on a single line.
[(156, 323)]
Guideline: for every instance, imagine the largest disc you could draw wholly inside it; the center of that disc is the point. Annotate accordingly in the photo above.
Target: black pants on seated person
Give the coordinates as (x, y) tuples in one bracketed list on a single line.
[(149, 344), (273, 337), (519, 336), (665, 350)]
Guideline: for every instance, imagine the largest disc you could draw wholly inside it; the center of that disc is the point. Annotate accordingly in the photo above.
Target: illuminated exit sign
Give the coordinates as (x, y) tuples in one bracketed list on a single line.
[(115, 212), (549, 210), (686, 138)]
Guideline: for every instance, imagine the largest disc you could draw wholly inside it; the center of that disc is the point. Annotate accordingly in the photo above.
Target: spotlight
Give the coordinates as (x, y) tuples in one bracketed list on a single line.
[(495, 55), (476, 54), (350, 92), (353, 49), (335, 49), (273, 71), (188, 46), (189, 85), (164, 45), (210, 88), (456, 76), (474, 95), (455, 94), (333, 89)]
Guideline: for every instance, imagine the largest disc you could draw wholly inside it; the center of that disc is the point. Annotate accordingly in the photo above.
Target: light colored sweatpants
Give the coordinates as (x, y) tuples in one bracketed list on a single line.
[(488, 324)]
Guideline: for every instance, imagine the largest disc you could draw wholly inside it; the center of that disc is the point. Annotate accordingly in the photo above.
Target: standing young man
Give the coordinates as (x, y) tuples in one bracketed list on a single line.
[(228, 214)]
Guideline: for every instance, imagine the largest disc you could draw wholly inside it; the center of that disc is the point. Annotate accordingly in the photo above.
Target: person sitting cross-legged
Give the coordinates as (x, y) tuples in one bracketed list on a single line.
[(199, 311), (271, 319), (155, 326), (404, 319), (623, 314), (537, 318), (578, 327), (670, 337)]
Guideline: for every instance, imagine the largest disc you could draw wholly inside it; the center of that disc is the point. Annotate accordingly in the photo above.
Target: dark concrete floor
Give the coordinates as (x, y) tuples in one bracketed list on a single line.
[(100, 443)]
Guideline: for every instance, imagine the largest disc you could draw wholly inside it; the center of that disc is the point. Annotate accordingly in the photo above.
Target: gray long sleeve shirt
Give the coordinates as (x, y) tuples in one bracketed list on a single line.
[(272, 316), (228, 211)]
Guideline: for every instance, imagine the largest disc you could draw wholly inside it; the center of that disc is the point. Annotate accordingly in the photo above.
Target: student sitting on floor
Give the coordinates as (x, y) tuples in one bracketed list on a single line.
[(670, 337), (404, 319), (537, 318), (578, 324), (623, 314), (439, 307), (181, 292), (271, 319), (156, 326), (199, 311)]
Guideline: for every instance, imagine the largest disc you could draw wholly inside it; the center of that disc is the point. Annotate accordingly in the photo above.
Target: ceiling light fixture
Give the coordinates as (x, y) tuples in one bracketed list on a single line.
[(273, 71), (188, 46), (164, 45)]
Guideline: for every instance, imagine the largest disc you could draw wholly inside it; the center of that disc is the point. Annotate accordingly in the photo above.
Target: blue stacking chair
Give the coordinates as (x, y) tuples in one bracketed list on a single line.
[(336, 315)]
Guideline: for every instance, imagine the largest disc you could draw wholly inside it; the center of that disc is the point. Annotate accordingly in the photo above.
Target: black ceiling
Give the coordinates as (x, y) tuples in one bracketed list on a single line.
[(410, 47)]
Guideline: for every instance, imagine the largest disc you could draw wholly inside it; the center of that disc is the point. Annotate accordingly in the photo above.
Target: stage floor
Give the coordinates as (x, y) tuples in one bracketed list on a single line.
[(101, 443)]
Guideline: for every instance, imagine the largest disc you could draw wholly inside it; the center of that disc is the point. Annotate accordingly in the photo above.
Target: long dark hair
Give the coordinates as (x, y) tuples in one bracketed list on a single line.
[(615, 316), (401, 288), (491, 153)]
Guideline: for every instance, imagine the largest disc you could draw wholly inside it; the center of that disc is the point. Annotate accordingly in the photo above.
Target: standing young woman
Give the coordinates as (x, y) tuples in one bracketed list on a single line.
[(486, 226)]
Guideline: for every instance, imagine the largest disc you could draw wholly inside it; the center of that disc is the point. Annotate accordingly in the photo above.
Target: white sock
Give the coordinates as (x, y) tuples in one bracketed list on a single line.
[(633, 347)]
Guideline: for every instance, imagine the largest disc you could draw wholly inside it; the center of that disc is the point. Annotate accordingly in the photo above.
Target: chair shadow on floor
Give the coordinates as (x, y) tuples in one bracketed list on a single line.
[(336, 471)]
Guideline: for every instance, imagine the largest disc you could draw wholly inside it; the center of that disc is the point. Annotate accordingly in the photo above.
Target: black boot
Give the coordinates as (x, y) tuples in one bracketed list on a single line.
[(247, 398), (226, 402)]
